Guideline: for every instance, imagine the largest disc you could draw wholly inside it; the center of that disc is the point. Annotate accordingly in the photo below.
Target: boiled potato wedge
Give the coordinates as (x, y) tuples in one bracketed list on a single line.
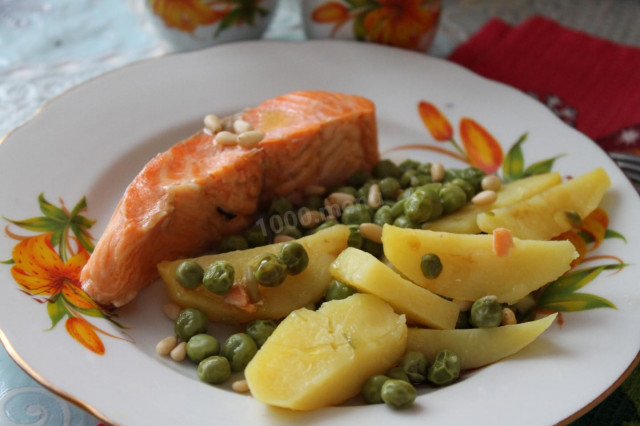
[(320, 358), (544, 215), (464, 221), (369, 275), (470, 267), (276, 302), (477, 347)]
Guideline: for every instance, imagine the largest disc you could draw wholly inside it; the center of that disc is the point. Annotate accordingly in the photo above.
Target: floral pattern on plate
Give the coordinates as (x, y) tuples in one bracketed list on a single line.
[(46, 266)]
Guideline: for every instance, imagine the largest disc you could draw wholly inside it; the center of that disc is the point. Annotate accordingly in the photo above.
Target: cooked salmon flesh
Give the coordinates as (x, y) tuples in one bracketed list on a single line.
[(187, 198)]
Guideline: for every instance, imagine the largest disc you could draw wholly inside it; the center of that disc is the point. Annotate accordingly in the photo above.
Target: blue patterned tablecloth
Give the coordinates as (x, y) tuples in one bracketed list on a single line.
[(48, 46)]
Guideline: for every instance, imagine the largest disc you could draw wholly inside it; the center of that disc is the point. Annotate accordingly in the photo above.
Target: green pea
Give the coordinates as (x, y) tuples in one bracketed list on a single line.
[(408, 164), (355, 214), (355, 237), (415, 365), (389, 188), (406, 178), (486, 312), (190, 322), (398, 373), (322, 226), (465, 186), (314, 202), (214, 370), (219, 277), (398, 394), (372, 247), (398, 208), (383, 215), (358, 178), (404, 222), (424, 168), (445, 368), (363, 192), (433, 186), (232, 243), (386, 168), (431, 266), (202, 346), (420, 180), (371, 389), (338, 290), (279, 206), (294, 256), (270, 271), (418, 207), (260, 330), (346, 190), (189, 274), (472, 175), (290, 231), (239, 349), (452, 197)]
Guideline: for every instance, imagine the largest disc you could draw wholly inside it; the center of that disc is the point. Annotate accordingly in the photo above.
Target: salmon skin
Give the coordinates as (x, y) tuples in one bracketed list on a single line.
[(187, 198)]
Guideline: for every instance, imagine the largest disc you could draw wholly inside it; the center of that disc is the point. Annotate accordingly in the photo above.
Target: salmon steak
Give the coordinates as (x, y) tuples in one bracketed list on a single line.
[(186, 199)]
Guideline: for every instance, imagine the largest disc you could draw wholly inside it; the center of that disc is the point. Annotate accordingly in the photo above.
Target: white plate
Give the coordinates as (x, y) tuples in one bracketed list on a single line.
[(94, 139)]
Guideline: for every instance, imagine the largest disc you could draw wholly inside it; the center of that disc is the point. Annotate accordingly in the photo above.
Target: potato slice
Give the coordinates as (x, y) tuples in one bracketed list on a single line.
[(477, 347), (276, 302), (464, 220), (470, 267), (322, 358), (366, 273), (544, 216)]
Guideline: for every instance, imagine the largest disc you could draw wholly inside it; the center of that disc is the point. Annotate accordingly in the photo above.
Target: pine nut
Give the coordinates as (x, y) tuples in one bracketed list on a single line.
[(311, 218), (240, 386), (484, 198), (179, 353), (171, 310), (226, 138), (282, 238), (463, 305), (371, 231), (166, 345), (374, 198), (213, 123), (315, 190), (491, 182), (341, 199), (241, 126), (250, 138), (437, 172), (508, 317)]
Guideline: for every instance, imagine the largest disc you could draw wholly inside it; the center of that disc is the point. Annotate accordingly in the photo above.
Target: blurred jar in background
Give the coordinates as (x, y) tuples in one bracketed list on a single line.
[(193, 24), (409, 24)]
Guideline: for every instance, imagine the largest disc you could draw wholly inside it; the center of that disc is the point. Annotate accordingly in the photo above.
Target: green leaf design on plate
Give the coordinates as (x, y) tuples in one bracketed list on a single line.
[(56, 309), (358, 27), (513, 163), (541, 167), (576, 302), (560, 295)]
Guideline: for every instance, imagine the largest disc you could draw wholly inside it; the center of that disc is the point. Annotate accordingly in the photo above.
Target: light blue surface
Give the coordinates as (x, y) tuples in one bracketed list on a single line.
[(49, 46)]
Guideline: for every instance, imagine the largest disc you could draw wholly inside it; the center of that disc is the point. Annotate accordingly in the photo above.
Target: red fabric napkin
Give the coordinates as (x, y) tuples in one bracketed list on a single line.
[(590, 83)]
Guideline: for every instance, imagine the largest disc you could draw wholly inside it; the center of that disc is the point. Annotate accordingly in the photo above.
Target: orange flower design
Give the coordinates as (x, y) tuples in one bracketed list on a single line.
[(482, 148), (408, 24), (47, 266), (401, 23), (435, 122), (39, 270), (186, 15)]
